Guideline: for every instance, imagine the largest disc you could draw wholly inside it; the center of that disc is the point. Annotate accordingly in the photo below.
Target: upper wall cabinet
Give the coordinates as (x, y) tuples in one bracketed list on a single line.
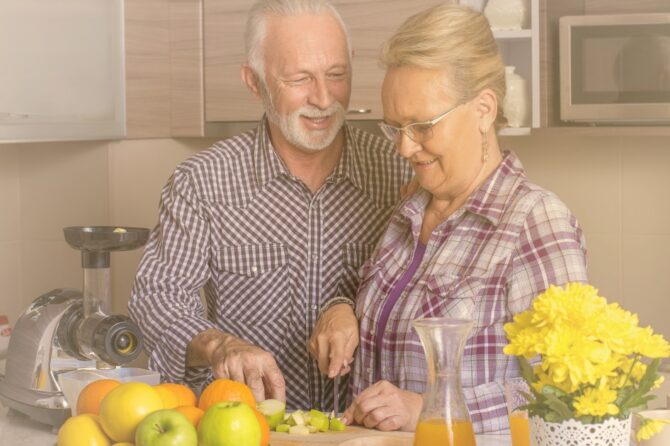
[(62, 75), (184, 59)]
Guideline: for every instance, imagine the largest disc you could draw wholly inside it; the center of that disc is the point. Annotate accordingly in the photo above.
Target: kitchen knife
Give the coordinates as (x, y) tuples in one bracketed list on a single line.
[(336, 395)]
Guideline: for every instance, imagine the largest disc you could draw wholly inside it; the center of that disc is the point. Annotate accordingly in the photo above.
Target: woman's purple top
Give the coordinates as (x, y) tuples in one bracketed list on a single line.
[(395, 293)]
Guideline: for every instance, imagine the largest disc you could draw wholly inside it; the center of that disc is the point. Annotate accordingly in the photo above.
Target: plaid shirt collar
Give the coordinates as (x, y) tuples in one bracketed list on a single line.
[(488, 201), (268, 165)]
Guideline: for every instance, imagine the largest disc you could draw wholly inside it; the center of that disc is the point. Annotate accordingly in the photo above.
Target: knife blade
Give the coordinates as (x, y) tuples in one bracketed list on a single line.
[(336, 395)]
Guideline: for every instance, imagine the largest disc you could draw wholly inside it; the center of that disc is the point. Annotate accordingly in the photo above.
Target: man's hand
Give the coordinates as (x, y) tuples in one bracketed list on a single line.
[(385, 407), (234, 358), (334, 340)]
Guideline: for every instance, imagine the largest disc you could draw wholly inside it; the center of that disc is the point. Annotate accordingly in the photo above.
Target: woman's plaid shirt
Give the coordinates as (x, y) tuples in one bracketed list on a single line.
[(508, 243), (267, 252)]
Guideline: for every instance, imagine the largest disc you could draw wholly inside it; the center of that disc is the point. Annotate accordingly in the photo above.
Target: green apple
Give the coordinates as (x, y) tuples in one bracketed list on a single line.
[(273, 410), (166, 427), (283, 428), (229, 423), (318, 420), (337, 425)]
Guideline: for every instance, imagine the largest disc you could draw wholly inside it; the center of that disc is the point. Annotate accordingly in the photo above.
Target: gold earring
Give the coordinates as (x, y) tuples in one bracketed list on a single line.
[(485, 148)]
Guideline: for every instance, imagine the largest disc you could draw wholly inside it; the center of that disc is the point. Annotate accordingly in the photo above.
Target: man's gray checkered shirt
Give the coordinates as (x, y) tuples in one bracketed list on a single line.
[(267, 252)]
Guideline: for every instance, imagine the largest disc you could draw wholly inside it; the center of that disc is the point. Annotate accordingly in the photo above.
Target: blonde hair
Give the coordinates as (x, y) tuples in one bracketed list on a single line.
[(456, 39)]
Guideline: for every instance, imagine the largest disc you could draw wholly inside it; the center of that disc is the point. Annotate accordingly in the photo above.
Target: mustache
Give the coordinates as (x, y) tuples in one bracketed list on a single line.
[(311, 111)]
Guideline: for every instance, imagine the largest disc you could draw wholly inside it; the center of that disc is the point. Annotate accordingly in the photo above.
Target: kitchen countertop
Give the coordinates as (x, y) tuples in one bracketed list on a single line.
[(18, 430)]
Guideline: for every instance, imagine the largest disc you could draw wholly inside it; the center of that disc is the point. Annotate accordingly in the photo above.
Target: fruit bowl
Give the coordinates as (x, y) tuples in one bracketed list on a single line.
[(72, 383)]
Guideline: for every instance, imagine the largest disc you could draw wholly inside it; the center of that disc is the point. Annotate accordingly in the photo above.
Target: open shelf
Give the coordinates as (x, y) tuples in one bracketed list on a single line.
[(512, 34), (514, 131)]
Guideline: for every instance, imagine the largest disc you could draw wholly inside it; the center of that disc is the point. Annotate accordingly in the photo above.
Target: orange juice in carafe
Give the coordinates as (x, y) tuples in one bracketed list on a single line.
[(518, 426), (436, 432), (444, 419)]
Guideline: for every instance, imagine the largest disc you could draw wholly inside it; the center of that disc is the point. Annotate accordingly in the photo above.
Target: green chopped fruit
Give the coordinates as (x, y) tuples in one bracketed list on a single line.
[(312, 429), (283, 428), (319, 422), (296, 419), (337, 425), (317, 413), (298, 430), (273, 410)]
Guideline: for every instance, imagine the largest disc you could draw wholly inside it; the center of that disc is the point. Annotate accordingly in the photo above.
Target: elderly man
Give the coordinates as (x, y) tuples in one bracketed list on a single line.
[(272, 224)]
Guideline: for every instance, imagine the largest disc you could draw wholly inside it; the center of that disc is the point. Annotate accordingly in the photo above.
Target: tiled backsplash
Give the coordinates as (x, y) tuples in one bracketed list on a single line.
[(616, 186)]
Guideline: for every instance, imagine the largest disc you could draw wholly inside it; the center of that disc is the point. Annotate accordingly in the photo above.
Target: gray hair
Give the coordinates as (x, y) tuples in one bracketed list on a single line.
[(254, 35), (456, 39)]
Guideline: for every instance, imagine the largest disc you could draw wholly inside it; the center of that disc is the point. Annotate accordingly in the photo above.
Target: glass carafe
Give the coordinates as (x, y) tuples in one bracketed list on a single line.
[(444, 418)]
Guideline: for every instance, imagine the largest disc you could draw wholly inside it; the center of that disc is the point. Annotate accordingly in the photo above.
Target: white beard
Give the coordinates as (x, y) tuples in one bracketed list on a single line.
[(293, 130)]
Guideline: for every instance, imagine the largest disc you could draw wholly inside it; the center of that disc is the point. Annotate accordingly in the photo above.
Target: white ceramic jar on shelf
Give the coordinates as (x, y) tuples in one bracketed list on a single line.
[(508, 14), (516, 105), (477, 5)]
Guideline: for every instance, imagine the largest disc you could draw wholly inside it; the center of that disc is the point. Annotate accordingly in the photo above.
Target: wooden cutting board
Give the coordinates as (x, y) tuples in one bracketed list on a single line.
[(336, 438)]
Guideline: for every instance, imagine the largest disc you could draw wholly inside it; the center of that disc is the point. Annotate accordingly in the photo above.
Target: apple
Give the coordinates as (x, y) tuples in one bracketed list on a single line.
[(229, 423), (166, 427), (273, 410), (82, 430), (125, 406)]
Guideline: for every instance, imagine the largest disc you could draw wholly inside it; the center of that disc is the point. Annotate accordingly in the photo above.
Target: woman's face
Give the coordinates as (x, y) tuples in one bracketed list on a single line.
[(449, 162)]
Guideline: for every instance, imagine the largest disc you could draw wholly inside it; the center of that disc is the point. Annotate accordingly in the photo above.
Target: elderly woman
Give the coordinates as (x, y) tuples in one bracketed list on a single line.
[(477, 240)]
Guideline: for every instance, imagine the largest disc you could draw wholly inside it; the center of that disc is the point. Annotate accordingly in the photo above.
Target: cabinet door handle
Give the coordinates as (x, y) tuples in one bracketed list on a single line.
[(359, 111)]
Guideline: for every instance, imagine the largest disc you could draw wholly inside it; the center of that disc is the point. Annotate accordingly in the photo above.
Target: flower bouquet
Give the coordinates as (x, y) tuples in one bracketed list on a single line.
[(590, 364)]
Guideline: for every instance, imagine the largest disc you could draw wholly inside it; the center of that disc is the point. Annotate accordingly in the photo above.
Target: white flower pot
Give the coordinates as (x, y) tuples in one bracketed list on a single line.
[(612, 432)]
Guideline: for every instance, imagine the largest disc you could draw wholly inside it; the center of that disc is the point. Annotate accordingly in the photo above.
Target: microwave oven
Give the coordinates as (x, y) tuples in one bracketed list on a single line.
[(615, 69)]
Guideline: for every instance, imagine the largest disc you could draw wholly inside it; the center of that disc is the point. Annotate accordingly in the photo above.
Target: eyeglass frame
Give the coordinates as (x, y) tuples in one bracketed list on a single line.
[(385, 127)]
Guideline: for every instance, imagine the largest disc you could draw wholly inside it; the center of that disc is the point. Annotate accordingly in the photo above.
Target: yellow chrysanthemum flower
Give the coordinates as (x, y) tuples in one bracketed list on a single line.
[(589, 348), (597, 402), (649, 427)]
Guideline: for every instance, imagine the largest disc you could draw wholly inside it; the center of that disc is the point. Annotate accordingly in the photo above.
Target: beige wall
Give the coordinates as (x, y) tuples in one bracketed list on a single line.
[(616, 186)]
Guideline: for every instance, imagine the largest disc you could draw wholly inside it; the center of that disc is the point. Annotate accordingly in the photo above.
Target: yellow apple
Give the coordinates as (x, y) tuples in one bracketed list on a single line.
[(125, 406), (82, 430)]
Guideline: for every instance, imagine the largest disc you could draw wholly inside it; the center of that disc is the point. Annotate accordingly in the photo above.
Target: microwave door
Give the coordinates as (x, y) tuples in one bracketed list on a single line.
[(616, 73)]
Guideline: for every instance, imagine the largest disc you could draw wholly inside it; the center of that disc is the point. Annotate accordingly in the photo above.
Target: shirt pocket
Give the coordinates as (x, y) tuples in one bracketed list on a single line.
[(252, 284), (450, 296), (353, 256)]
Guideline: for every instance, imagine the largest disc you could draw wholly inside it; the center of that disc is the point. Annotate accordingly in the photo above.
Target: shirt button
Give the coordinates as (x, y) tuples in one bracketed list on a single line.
[(315, 256), (315, 307), (254, 269)]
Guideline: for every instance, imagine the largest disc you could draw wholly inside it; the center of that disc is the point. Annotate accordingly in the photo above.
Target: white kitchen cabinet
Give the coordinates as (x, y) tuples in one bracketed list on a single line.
[(62, 75)]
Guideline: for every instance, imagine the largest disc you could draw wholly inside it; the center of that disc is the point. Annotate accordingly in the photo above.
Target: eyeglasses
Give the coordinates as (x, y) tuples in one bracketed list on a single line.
[(417, 131)]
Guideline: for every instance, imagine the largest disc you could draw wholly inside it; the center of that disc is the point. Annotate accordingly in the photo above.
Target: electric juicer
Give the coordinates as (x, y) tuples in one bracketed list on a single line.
[(65, 329)]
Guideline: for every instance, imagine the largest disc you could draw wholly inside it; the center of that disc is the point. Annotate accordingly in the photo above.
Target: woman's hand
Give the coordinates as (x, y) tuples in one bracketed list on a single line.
[(334, 340), (385, 407)]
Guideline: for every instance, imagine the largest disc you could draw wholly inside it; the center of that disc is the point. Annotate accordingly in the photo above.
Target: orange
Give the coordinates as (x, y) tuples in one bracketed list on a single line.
[(184, 394), (92, 395), (265, 429), (192, 413), (226, 390), (168, 397)]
